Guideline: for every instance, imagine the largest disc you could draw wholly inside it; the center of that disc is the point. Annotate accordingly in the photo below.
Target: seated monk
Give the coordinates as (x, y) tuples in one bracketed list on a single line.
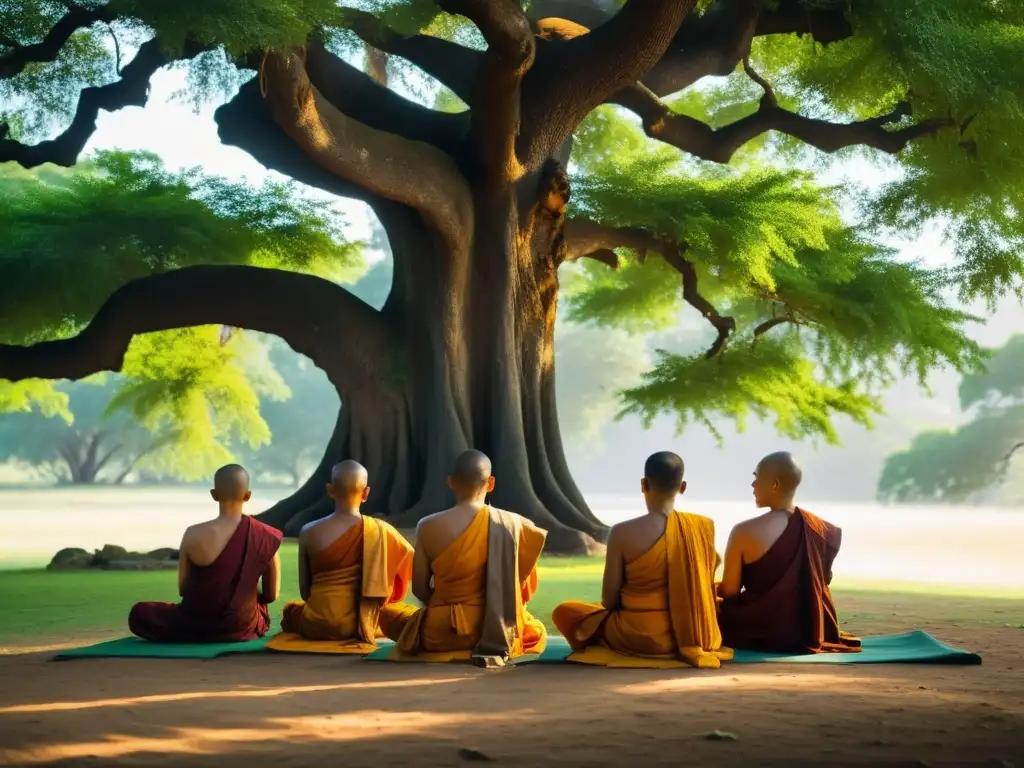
[(349, 567), (474, 570), (228, 572), (778, 567), (658, 595)]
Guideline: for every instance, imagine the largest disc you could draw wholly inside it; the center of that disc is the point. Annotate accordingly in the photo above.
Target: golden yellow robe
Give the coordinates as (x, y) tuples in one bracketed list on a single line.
[(668, 614), (449, 627), (365, 568)]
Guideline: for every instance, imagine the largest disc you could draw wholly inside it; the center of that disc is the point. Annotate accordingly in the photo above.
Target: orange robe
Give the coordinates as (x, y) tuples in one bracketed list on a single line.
[(449, 627), (668, 615), (786, 604), (367, 567)]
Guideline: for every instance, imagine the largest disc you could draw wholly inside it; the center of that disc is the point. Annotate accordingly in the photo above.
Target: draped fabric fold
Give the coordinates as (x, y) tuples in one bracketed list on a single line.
[(667, 616), (365, 568), (220, 601), (786, 605), (460, 615)]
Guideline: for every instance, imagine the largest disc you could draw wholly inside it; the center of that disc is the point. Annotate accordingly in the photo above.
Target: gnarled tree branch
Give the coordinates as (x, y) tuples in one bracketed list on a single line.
[(131, 90), (691, 295), (312, 314), (572, 77), (412, 173), (496, 93), (719, 145), (585, 238), (361, 98), (714, 42), (452, 64), (48, 49), (589, 239)]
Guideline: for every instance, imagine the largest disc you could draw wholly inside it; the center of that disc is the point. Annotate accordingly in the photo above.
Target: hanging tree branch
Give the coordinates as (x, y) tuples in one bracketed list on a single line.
[(304, 310), (408, 172), (131, 90), (719, 145), (48, 49), (585, 238), (570, 78), (496, 93)]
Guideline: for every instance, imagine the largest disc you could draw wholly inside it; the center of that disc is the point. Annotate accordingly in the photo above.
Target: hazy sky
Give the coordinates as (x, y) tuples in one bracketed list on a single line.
[(184, 138)]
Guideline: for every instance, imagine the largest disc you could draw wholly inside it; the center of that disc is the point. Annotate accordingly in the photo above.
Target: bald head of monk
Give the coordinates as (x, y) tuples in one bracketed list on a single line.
[(663, 477), (231, 485), (471, 477), (775, 481), (349, 486)]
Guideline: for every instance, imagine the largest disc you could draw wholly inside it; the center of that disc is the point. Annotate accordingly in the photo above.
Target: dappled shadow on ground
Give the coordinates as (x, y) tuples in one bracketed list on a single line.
[(301, 710)]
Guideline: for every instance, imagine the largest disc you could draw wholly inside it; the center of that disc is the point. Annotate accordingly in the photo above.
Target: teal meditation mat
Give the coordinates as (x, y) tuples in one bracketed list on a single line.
[(555, 653), (133, 647), (915, 647)]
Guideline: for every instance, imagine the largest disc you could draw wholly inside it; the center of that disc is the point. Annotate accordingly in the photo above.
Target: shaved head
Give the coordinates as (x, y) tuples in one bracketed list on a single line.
[(231, 483), (782, 467), (349, 477), (472, 469), (664, 472)]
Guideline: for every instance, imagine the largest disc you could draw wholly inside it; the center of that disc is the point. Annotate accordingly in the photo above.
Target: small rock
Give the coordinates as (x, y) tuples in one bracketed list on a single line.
[(721, 736), (109, 553), (474, 755), (70, 558), (879, 743)]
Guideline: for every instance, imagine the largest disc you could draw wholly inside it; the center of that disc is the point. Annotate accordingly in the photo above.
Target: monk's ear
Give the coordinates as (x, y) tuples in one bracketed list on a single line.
[(330, 490), (213, 495), (643, 485), (451, 483), (366, 493), (248, 495), (490, 483), (682, 488)]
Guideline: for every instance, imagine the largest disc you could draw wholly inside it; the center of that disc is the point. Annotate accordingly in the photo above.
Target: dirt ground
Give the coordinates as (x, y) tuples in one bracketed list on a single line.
[(305, 710)]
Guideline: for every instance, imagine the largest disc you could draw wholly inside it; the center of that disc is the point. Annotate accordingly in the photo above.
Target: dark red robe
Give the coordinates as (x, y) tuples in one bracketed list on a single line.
[(221, 602), (786, 604)]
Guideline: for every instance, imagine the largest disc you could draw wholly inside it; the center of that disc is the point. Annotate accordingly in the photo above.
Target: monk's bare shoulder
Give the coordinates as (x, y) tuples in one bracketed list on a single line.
[(307, 530)]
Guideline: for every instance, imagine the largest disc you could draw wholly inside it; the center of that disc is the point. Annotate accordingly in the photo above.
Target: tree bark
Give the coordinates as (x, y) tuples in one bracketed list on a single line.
[(474, 368)]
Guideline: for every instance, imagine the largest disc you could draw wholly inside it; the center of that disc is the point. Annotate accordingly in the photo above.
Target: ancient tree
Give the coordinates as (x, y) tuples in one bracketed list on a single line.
[(582, 131)]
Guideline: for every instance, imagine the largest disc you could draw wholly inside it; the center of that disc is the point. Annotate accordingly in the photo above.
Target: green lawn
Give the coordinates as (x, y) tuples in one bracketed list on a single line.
[(45, 607)]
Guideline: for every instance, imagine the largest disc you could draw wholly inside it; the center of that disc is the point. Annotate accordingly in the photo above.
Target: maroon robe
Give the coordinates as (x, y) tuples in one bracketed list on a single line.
[(220, 603), (786, 604)]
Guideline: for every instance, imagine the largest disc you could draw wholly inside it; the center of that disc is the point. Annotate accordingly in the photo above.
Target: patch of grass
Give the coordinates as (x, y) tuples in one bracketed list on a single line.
[(43, 606)]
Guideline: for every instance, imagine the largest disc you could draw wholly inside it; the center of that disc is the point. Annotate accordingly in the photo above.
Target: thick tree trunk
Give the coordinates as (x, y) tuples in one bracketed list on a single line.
[(475, 368)]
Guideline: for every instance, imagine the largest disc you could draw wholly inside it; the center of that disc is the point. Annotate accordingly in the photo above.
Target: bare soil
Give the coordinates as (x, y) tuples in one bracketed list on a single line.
[(304, 710)]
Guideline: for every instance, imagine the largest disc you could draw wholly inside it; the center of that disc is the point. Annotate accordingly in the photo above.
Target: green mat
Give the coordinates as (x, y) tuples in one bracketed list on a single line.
[(144, 649), (915, 647), (555, 653)]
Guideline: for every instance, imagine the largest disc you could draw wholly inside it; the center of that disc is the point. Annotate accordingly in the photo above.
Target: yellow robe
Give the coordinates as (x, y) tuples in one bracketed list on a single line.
[(668, 614), (367, 567), (448, 629)]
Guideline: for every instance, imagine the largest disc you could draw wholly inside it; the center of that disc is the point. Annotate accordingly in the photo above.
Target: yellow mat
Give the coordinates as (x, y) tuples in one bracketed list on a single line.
[(289, 642)]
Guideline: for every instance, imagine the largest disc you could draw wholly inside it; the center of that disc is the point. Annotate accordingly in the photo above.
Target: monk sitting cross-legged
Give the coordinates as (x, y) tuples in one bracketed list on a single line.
[(228, 572), (350, 566), (474, 570), (778, 567), (658, 596)]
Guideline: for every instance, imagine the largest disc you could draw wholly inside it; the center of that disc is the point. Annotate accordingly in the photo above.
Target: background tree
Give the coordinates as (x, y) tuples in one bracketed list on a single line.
[(300, 425), (808, 316), (957, 465)]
